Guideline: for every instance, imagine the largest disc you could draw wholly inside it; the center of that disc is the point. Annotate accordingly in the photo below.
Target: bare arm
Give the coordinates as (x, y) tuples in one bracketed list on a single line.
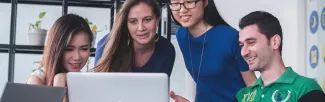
[(35, 80), (249, 77), (60, 81), (177, 98)]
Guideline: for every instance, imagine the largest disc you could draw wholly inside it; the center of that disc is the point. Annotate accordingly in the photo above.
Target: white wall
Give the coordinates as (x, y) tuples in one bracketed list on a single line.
[(316, 39), (321, 70)]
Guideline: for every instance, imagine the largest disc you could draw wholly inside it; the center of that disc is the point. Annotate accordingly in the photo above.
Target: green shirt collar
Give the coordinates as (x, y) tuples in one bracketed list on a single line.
[(287, 77)]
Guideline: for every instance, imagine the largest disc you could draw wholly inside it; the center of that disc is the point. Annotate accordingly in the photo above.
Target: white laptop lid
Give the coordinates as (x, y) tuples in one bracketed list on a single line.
[(118, 87)]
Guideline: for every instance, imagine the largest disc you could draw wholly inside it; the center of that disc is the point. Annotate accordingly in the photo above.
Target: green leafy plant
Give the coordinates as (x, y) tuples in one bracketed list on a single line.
[(37, 24), (90, 23), (93, 27)]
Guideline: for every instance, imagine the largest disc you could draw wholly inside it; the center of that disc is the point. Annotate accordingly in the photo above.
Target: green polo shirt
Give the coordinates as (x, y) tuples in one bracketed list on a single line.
[(289, 87)]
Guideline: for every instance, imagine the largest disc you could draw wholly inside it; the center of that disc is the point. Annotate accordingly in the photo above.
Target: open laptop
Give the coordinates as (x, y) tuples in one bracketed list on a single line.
[(16, 92), (117, 87)]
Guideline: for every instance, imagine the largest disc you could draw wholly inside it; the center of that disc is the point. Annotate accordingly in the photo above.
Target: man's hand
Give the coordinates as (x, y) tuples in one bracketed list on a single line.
[(177, 98)]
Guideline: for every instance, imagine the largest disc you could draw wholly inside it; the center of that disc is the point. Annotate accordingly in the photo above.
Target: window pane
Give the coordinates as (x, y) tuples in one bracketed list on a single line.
[(5, 14), (4, 58), (29, 14), (23, 67)]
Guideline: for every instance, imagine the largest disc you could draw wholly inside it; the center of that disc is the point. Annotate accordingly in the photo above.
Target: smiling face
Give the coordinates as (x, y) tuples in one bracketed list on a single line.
[(255, 48), (191, 15), (142, 24), (77, 53)]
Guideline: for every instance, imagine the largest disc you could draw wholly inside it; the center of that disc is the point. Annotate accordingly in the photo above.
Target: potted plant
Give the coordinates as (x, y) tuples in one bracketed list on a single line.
[(36, 34)]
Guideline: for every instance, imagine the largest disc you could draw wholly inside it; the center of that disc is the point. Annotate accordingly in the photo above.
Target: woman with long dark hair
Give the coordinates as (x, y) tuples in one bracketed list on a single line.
[(67, 50)]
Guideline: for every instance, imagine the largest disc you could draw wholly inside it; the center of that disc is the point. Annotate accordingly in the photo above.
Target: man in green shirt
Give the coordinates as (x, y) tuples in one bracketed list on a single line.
[(260, 39)]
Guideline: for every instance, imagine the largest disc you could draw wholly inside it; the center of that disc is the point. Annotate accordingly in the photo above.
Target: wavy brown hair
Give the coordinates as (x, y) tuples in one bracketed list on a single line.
[(118, 55), (59, 37)]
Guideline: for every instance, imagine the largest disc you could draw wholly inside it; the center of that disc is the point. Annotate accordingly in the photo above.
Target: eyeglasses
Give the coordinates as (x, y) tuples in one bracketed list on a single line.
[(186, 4)]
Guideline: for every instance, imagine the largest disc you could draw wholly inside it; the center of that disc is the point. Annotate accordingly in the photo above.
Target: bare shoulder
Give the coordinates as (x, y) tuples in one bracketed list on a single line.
[(35, 80)]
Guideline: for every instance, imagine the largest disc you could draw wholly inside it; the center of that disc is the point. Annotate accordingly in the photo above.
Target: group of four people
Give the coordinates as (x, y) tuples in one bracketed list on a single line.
[(220, 59)]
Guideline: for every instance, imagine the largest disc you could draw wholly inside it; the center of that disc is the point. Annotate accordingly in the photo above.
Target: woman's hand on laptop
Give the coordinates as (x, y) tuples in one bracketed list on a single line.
[(177, 98)]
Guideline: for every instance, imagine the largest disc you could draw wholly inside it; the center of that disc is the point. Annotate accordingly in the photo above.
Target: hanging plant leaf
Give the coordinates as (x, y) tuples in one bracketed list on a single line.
[(38, 23), (86, 19), (41, 15)]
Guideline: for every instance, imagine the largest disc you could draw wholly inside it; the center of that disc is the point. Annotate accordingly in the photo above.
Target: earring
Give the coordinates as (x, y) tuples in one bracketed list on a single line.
[(157, 38), (128, 39)]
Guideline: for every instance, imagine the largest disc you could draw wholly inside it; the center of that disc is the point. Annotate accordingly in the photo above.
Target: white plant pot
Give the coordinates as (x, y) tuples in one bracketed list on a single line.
[(94, 39), (37, 36)]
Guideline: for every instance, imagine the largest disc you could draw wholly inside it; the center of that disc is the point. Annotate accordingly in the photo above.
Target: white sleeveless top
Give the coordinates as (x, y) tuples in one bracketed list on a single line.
[(39, 73)]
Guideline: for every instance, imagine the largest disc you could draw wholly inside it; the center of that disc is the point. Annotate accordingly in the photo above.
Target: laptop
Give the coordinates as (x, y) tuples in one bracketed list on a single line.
[(117, 87), (17, 92)]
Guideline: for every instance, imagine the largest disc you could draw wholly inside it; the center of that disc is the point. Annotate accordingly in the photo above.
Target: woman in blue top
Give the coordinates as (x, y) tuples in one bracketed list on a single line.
[(133, 45), (211, 51)]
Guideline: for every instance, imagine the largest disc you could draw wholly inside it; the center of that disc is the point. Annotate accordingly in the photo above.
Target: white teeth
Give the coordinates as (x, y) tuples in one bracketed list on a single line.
[(142, 34), (250, 59), (185, 17), (75, 64)]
